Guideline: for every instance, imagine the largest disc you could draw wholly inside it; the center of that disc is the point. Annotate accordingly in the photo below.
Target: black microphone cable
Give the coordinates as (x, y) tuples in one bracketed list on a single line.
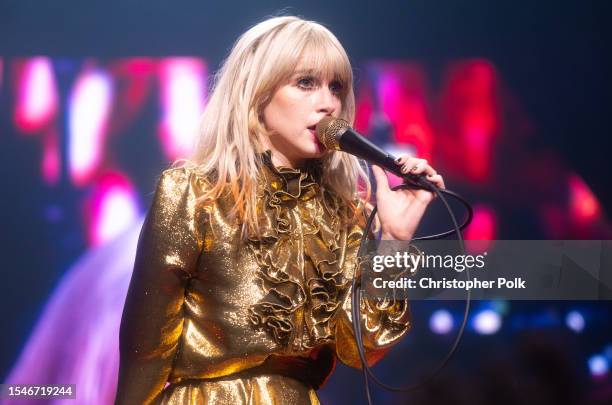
[(410, 181)]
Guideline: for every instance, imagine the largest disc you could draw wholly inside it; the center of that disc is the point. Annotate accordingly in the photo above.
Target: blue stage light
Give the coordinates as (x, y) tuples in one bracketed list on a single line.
[(575, 321), (598, 365), (487, 322), (441, 322)]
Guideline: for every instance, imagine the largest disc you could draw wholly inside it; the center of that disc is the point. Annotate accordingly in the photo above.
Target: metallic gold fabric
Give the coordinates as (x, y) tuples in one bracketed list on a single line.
[(224, 319)]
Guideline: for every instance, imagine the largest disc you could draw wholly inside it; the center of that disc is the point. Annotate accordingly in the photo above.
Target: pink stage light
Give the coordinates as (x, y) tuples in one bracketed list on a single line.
[(484, 224), (183, 96), (36, 94), (472, 118), (113, 208), (88, 112), (364, 109), (134, 81), (394, 98), (397, 93), (584, 207), (482, 231), (51, 160), (403, 94)]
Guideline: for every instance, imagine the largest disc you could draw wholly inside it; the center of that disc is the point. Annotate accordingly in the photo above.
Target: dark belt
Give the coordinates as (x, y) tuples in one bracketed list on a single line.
[(312, 371)]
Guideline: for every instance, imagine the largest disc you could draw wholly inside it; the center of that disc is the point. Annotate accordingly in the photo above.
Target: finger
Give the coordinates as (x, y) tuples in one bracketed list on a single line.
[(382, 182), (418, 166), (428, 170), (437, 180), (410, 164), (402, 159)]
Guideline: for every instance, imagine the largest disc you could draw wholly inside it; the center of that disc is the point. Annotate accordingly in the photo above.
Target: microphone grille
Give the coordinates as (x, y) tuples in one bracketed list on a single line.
[(329, 131)]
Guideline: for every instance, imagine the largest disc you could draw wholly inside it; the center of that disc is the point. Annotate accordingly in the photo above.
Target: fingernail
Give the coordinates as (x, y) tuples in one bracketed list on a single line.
[(397, 160), (404, 169)]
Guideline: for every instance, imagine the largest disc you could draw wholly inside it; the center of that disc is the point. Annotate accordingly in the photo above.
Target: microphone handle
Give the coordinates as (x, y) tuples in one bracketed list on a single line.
[(362, 147)]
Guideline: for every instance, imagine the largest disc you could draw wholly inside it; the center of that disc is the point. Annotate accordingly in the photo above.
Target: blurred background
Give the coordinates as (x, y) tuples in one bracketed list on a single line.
[(509, 100)]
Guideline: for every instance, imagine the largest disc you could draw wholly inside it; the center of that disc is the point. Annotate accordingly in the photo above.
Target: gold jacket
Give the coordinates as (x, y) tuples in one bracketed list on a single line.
[(213, 318)]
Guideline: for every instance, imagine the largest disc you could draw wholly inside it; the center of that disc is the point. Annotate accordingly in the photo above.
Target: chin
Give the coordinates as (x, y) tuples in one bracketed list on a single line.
[(314, 151)]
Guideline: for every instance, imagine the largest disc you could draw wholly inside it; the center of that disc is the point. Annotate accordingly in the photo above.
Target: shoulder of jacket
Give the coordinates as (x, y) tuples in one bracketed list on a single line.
[(186, 176)]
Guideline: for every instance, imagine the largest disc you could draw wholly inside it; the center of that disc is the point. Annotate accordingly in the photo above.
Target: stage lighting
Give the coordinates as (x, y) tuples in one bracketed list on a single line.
[(598, 365), (441, 322), (88, 112), (36, 99), (575, 321), (114, 208), (487, 322), (183, 96)]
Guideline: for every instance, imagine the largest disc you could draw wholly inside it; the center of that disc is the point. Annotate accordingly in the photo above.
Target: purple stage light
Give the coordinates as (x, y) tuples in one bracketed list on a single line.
[(441, 322), (575, 321), (598, 365)]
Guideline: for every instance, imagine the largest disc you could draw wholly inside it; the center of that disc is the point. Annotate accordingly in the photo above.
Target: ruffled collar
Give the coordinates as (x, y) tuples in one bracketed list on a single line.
[(290, 183)]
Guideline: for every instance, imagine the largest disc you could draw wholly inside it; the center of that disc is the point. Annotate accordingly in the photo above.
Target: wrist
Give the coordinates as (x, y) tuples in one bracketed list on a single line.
[(386, 236)]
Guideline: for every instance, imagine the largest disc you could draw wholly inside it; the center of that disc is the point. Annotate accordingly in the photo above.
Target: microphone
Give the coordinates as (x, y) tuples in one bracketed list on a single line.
[(337, 134)]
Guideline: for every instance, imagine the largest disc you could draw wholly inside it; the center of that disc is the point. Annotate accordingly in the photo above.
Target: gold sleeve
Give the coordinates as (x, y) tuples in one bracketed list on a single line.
[(384, 322), (169, 247)]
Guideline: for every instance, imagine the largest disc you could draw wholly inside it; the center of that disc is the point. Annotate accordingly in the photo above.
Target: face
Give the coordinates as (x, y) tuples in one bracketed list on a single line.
[(293, 113)]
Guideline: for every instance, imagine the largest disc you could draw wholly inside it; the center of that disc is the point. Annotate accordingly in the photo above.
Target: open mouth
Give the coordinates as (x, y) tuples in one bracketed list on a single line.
[(313, 131)]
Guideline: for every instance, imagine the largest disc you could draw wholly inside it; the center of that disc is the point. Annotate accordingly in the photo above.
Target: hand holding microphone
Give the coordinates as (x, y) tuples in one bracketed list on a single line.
[(336, 134), (399, 209)]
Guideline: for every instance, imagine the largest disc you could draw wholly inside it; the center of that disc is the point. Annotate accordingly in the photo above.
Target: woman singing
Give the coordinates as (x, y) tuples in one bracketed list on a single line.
[(241, 287)]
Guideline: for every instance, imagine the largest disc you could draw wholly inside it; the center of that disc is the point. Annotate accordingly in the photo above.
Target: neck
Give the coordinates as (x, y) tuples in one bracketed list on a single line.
[(282, 159), (279, 160)]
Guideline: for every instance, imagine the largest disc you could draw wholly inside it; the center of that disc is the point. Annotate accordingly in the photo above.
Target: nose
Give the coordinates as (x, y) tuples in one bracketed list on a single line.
[(327, 102)]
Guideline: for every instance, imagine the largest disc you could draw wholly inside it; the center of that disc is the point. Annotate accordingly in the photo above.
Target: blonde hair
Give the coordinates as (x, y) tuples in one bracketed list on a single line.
[(261, 60)]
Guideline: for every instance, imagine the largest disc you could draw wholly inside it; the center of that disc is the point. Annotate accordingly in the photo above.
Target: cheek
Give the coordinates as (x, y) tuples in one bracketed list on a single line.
[(338, 108), (276, 110), (285, 113)]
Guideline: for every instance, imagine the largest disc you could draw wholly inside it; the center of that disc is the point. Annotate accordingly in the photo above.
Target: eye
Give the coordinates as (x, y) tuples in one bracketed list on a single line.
[(336, 87), (306, 83)]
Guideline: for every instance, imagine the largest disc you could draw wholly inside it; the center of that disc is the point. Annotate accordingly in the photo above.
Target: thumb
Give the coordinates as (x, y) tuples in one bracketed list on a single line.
[(382, 182)]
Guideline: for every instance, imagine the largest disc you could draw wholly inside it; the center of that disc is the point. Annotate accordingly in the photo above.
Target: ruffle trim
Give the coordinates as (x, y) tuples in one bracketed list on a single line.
[(287, 290)]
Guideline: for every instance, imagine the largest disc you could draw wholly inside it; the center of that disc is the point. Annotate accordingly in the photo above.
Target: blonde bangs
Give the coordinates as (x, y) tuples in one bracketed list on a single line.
[(313, 49), (322, 57)]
